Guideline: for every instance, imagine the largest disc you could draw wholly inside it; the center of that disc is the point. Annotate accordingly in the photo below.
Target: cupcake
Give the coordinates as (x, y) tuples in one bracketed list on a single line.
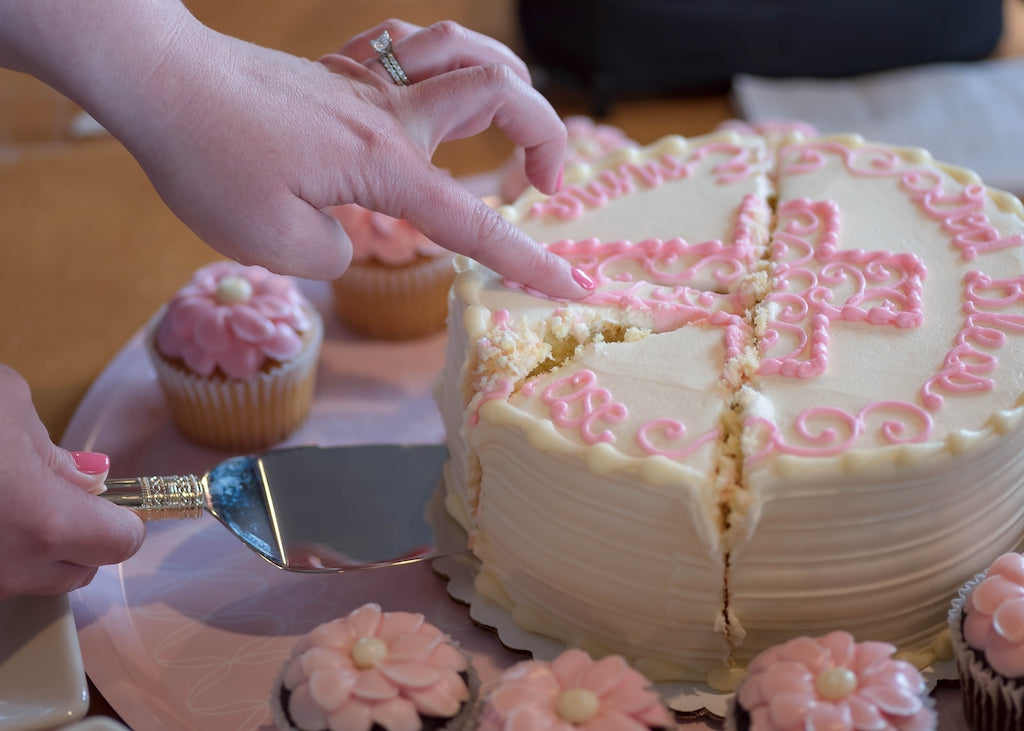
[(831, 683), (575, 692), (986, 625), (235, 353), (386, 671), (587, 141), (397, 285)]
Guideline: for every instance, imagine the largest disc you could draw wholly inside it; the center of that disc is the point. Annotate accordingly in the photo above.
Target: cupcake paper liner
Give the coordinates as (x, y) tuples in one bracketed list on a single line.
[(395, 302), (231, 414), (991, 702)]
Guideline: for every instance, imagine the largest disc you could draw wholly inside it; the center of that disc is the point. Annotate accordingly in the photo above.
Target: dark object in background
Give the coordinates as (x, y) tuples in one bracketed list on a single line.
[(610, 48)]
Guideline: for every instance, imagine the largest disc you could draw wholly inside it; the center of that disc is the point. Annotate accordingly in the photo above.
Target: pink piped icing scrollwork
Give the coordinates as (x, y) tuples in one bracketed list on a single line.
[(233, 318), (827, 431), (573, 692), (818, 284), (994, 616), (836, 684), (960, 213), (374, 667), (577, 402), (988, 317), (736, 162)]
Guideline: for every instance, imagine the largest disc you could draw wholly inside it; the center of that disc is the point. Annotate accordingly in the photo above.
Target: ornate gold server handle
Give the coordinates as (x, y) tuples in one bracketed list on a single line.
[(159, 498)]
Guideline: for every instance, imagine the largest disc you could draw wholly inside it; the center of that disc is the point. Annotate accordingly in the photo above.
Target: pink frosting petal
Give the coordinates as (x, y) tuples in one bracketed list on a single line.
[(871, 656), (570, 668), (604, 674), (181, 317), (241, 361), (630, 699), (211, 330), (271, 307), (413, 647), (1005, 657), (337, 634), (249, 325), (612, 721), (841, 647), (1009, 565), (865, 715), (448, 657), (787, 710), (201, 361), (305, 712), (807, 652), (331, 687), (397, 714), (395, 624), (829, 717), (1008, 621), (410, 675), (535, 718), (365, 620), (510, 696), (923, 720), (993, 591), (319, 658), (373, 685), (889, 699), (443, 699), (353, 716)]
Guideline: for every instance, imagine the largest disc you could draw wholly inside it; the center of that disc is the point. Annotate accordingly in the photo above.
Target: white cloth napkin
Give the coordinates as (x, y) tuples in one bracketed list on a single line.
[(967, 114)]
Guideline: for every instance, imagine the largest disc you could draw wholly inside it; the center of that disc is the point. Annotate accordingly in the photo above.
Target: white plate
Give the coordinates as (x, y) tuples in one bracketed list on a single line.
[(42, 682)]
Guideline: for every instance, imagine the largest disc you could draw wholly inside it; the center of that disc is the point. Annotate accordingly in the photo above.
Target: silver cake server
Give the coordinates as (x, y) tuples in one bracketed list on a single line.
[(311, 508)]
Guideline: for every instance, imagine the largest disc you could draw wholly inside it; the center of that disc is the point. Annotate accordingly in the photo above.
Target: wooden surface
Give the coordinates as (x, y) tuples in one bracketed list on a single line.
[(90, 251)]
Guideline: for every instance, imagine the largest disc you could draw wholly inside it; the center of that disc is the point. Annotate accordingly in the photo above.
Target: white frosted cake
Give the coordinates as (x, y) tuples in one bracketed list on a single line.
[(792, 405)]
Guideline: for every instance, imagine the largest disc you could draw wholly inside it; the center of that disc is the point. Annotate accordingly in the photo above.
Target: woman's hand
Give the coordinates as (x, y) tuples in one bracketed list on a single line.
[(54, 531), (248, 145)]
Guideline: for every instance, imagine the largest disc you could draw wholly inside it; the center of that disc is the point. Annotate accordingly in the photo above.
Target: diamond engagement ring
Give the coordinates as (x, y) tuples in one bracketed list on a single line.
[(382, 45)]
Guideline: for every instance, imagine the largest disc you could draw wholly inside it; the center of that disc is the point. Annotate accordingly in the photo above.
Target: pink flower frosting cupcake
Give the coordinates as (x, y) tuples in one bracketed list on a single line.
[(397, 285), (833, 683), (387, 671), (573, 693), (986, 624), (587, 141), (235, 351)]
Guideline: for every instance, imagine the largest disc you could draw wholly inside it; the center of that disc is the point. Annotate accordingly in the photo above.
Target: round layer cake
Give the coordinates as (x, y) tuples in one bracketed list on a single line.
[(791, 406)]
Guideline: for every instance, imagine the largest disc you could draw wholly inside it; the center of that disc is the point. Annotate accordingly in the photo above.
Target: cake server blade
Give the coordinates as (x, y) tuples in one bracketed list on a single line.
[(313, 508)]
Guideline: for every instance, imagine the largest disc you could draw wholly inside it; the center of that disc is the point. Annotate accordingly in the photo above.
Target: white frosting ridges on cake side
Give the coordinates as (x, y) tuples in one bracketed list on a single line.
[(792, 405)]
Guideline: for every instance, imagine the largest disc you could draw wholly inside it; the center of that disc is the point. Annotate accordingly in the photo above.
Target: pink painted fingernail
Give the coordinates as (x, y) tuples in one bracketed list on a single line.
[(91, 463), (558, 183), (583, 280)]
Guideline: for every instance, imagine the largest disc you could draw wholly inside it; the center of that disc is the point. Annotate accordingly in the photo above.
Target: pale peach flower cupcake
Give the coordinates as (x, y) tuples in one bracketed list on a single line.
[(831, 683), (387, 671), (236, 353), (573, 692), (396, 287), (986, 624)]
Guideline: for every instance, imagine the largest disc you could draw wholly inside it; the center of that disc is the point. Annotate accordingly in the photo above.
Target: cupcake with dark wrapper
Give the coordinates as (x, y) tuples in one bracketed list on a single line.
[(374, 670), (236, 353), (833, 683), (396, 287), (986, 625), (575, 692)]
